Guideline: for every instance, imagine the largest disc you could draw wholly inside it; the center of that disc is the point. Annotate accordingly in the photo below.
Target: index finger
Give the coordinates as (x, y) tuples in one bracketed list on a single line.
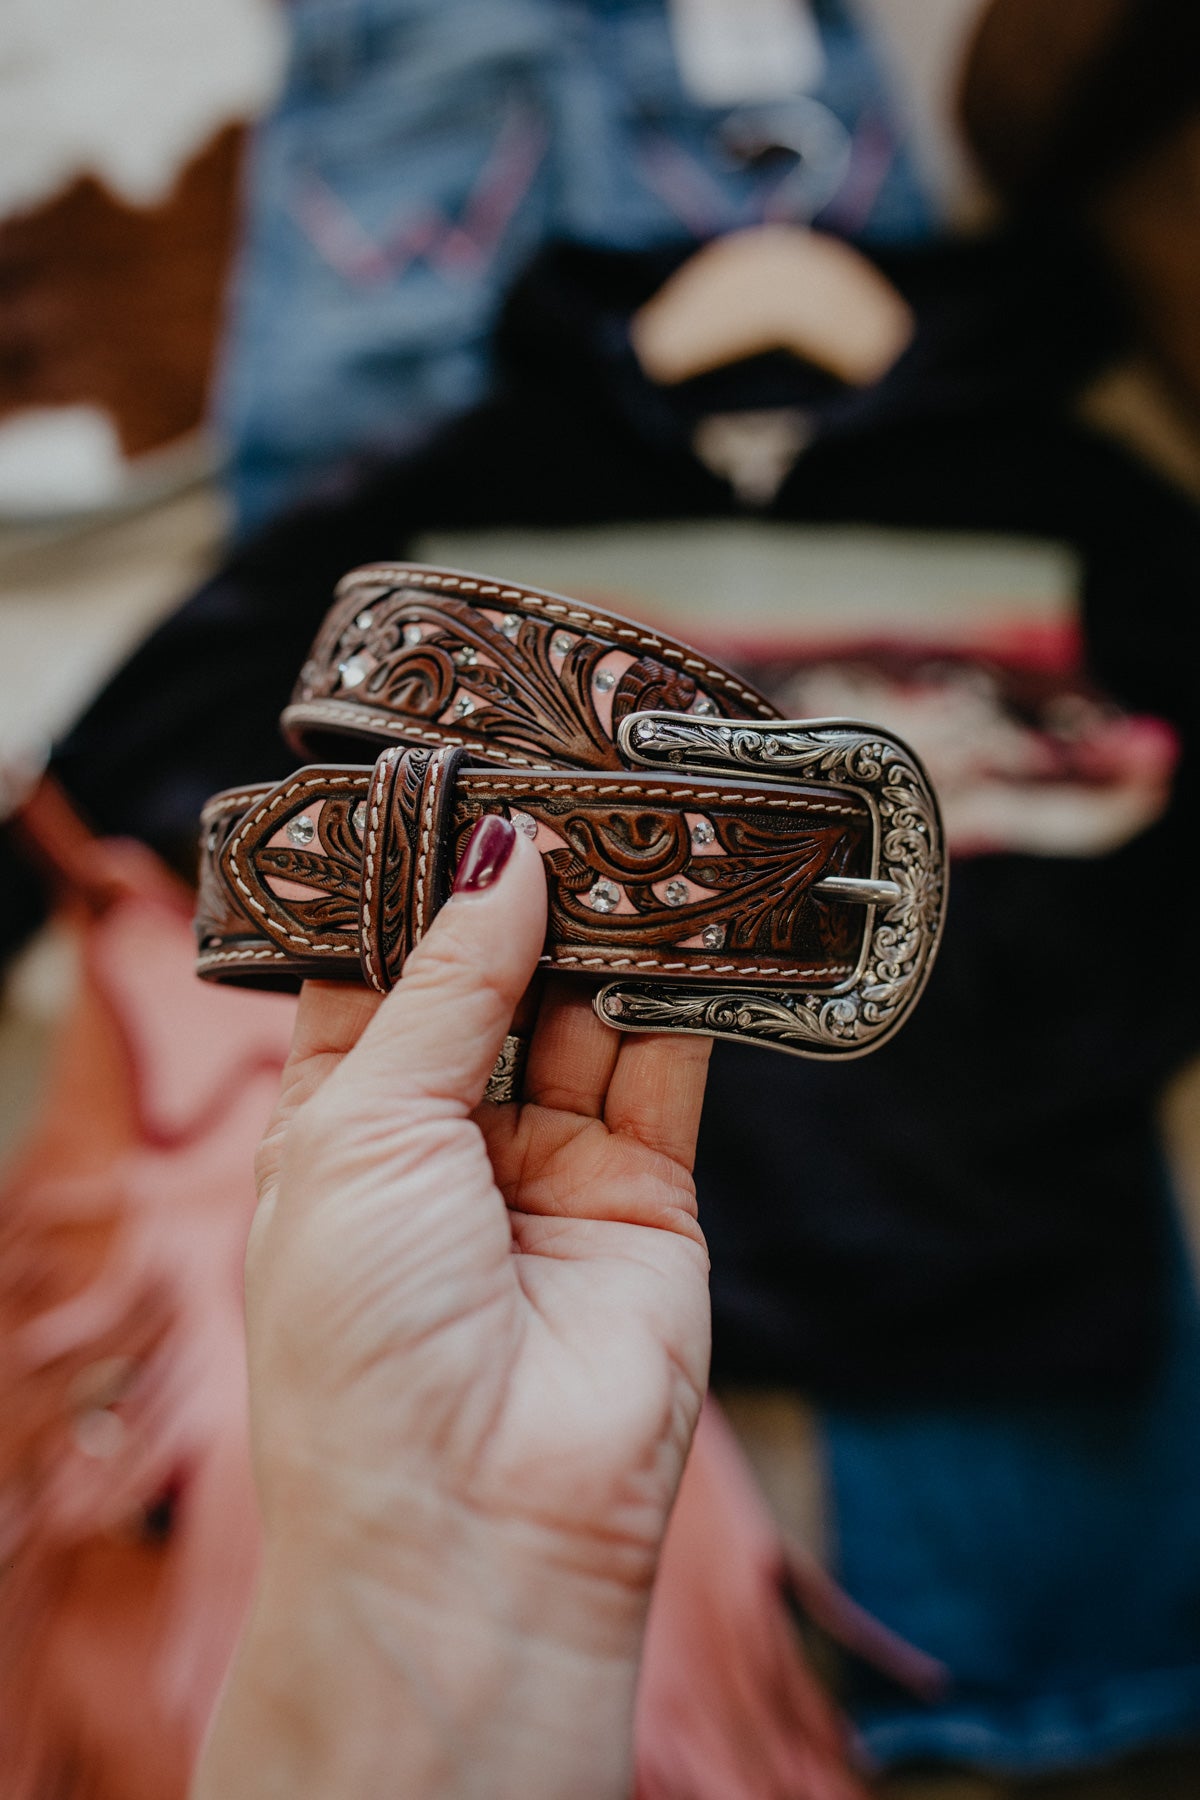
[(573, 1053), (657, 1090), (330, 1019)]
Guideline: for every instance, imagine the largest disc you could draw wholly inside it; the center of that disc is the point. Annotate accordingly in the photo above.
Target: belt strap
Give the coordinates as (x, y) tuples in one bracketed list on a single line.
[(340, 870), (520, 677), (718, 869)]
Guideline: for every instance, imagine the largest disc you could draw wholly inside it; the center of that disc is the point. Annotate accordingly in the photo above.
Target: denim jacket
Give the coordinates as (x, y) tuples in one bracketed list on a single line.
[(423, 150)]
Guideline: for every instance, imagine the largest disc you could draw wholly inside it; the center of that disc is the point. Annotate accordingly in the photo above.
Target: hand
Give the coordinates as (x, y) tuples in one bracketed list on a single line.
[(478, 1345)]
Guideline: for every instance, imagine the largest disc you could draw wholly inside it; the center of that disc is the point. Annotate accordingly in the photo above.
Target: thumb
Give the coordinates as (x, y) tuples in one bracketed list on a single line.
[(432, 1044)]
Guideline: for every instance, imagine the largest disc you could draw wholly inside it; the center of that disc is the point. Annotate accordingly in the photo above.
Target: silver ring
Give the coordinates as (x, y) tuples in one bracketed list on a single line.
[(504, 1082)]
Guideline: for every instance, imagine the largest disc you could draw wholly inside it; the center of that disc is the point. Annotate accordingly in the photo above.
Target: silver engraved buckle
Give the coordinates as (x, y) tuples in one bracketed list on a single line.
[(905, 891)]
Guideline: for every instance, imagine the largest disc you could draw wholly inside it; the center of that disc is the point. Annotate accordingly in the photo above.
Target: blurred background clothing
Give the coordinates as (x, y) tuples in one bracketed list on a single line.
[(424, 150), (416, 157), (1047, 1555)]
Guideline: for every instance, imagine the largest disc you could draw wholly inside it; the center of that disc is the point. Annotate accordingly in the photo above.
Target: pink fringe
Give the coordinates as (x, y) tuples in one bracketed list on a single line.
[(127, 1518), (727, 1707)]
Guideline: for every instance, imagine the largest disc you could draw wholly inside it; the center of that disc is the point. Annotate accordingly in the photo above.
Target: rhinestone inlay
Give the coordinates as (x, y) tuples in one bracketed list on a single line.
[(524, 824), (603, 896), (676, 893), (712, 937), (561, 642), (703, 832), (354, 671), (412, 634), (365, 620), (704, 706), (510, 624), (467, 657), (301, 831), (605, 679), (359, 816), (464, 705)]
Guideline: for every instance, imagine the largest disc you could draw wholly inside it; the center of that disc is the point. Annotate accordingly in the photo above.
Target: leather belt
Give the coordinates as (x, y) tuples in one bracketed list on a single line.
[(524, 678), (716, 869)]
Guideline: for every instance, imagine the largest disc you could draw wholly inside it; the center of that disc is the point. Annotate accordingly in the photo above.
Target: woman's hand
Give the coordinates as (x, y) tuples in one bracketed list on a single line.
[(478, 1345)]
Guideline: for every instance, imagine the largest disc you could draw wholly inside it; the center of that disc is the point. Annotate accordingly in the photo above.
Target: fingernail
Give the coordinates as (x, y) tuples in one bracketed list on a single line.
[(488, 849)]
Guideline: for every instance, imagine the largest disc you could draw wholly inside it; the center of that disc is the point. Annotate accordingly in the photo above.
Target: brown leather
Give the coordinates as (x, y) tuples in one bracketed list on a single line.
[(732, 874), (521, 677), (336, 872)]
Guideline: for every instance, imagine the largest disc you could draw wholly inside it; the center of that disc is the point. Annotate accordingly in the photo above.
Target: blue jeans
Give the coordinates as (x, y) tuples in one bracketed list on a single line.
[(1050, 1557), (424, 149)]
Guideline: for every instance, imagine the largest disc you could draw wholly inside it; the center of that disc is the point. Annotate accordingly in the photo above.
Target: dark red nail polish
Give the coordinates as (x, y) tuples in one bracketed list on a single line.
[(488, 849)]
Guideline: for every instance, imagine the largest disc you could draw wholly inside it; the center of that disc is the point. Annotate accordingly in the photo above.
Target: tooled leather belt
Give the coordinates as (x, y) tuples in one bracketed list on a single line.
[(711, 867)]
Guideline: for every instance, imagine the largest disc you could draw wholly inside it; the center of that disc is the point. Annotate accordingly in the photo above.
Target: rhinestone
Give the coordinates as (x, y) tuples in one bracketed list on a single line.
[(365, 620), (605, 679), (676, 893), (412, 634), (647, 731), (301, 831), (524, 823), (561, 642), (712, 937), (703, 832), (704, 707), (463, 705), (354, 671), (510, 624), (359, 816), (467, 657), (603, 896)]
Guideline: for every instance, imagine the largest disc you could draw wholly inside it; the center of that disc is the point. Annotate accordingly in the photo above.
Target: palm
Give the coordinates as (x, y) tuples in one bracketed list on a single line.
[(530, 1335), (609, 1286)]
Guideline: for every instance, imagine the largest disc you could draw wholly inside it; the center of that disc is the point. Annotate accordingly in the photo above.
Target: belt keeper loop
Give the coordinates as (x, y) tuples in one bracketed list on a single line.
[(406, 853)]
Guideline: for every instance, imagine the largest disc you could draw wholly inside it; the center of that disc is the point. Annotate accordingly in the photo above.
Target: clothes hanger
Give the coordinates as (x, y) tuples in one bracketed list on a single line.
[(773, 287)]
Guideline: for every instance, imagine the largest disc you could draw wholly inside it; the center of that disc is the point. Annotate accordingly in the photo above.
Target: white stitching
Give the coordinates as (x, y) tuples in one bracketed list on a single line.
[(386, 762), (210, 957), (604, 959), (434, 578), (304, 940), (479, 782), (433, 776), (216, 808), (600, 960), (339, 712)]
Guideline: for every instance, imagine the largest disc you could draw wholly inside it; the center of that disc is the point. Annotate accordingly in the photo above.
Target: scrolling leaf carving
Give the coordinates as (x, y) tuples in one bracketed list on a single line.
[(528, 685)]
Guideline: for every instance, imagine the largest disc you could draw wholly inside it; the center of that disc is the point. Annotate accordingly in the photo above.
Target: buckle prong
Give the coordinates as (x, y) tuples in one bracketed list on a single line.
[(858, 890)]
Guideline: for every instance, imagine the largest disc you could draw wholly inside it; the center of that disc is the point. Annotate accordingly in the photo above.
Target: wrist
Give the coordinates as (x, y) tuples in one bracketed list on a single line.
[(479, 1666)]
